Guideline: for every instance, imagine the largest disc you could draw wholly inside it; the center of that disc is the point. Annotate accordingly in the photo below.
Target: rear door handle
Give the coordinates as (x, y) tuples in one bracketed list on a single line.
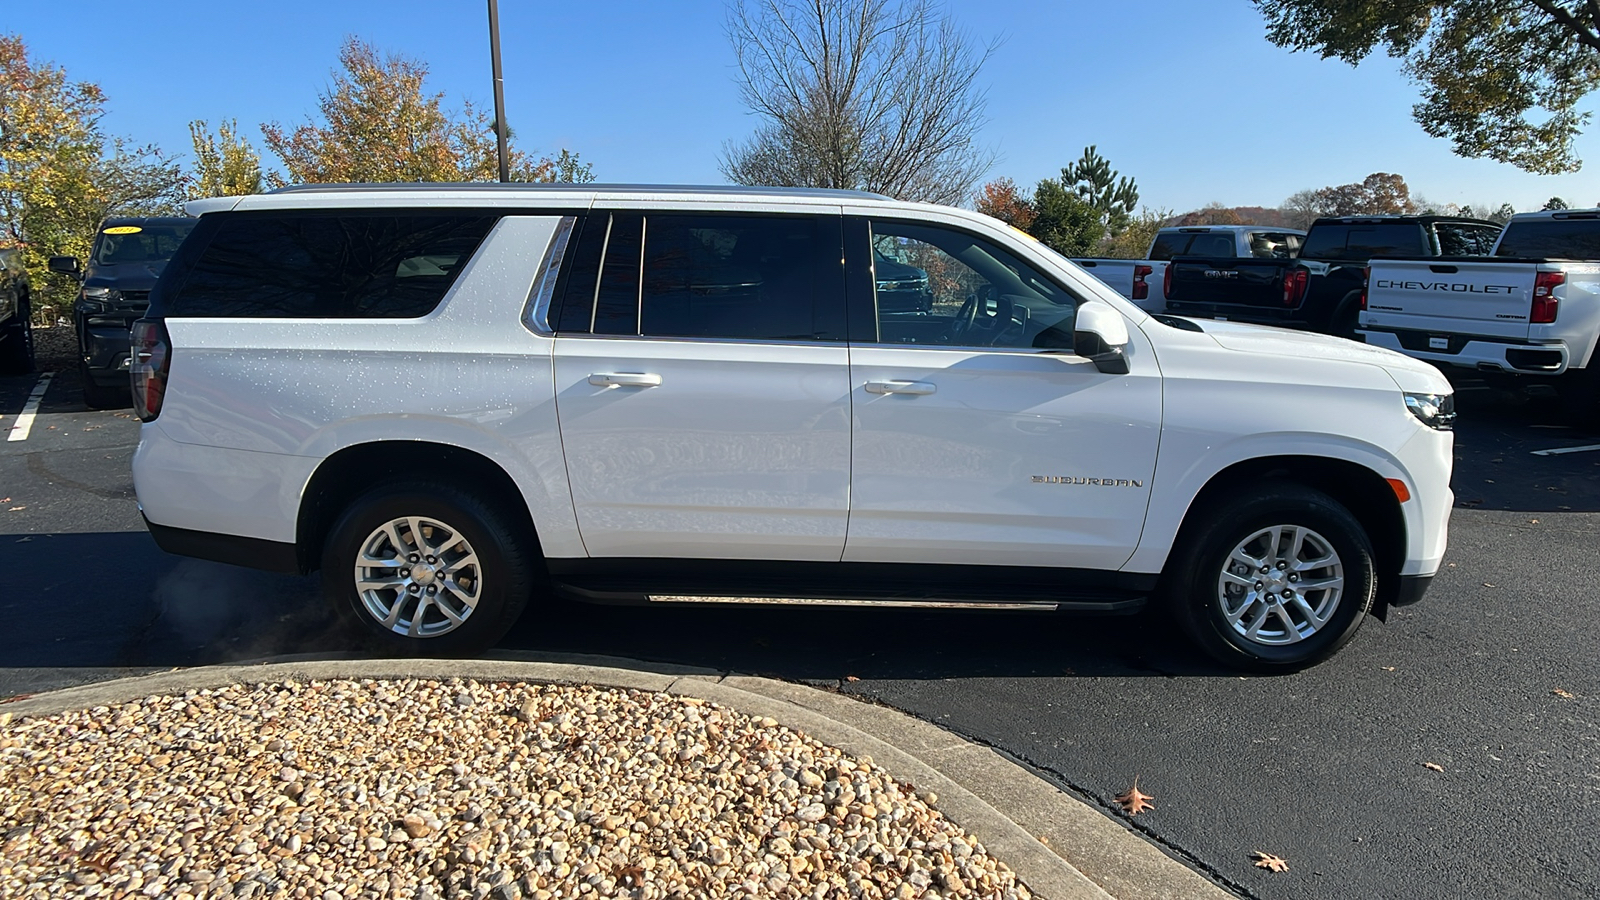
[(899, 387), (625, 379)]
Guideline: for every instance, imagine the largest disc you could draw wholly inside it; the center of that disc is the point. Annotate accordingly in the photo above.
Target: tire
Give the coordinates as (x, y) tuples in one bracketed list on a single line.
[(486, 595), (1346, 317), (16, 343), (99, 396), (1579, 390), (1202, 596)]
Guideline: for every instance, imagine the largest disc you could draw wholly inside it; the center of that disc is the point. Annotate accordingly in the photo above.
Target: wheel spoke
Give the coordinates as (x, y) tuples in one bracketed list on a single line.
[(1315, 620), (1254, 628), (378, 584), (1291, 632), (394, 611), (1313, 564), (470, 560), (1250, 600), (1296, 544), (423, 601), (1241, 557), (1317, 584), (444, 608), (415, 524), (393, 533), (1248, 583)]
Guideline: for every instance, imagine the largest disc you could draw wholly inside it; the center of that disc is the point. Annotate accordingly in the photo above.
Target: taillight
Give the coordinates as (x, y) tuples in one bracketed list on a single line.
[(151, 358), (1294, 286), (1166, 282), (1544, 297), (1366, 276), (1141, 290)]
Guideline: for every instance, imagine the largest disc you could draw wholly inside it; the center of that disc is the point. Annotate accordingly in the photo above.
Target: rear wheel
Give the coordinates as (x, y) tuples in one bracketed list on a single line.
[(1275, 580), (16, 343), (427, 569), (1346, 317)]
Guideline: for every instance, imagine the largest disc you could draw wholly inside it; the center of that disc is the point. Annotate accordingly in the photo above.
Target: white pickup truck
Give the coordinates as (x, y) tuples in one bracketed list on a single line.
[(1531, 311), (1132, 278)]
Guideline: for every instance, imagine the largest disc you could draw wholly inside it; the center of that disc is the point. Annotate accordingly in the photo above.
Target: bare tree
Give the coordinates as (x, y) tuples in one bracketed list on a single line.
[(874, 95)]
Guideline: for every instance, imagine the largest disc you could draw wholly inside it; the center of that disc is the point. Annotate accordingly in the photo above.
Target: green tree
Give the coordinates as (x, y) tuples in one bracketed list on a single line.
[(1064, 221), (1500, 78), (1555, 203), (1093, 180), (1133, 242), (378, 125), (1503, 214), (224, 164), (61, 174)]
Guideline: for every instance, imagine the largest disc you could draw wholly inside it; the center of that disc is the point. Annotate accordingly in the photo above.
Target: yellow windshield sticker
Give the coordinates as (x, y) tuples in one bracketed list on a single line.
[(124, 229)]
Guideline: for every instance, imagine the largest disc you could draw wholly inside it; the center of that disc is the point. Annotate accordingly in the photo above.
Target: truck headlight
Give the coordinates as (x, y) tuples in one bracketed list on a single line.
[(1433, 410)]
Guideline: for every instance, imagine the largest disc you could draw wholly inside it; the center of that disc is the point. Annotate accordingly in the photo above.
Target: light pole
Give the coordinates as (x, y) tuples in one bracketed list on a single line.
[(499, 90)]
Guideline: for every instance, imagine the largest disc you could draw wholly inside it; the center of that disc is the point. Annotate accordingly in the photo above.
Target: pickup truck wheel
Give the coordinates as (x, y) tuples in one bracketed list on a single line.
[(1273, 581), (16, 344), (1346, 317), (100, 396), (428, 569), (1579, 390)]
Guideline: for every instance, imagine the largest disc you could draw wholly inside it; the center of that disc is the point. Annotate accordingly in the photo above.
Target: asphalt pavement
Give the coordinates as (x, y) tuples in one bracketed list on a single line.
[(1453, 751)]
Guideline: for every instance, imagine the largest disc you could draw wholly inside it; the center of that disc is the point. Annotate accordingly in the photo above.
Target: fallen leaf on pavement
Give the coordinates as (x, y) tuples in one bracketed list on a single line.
[(1487, 584), (1268, 861), (1565, 694), (1533, 521), (1434, 766), (1387, 668), (15, 697), (851, 678), (15, 508), (1135, 801)]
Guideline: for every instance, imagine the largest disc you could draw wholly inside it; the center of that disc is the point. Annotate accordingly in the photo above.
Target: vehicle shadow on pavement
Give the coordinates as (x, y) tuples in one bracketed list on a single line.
[(114, 600), (1499, 434)]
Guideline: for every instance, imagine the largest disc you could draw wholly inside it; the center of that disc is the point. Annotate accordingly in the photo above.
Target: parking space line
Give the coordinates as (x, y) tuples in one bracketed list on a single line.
[(1560, 450), (24, 423)]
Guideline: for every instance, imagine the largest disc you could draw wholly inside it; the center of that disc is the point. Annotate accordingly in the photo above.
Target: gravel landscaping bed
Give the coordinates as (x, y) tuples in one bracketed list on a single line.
[(423, 789)]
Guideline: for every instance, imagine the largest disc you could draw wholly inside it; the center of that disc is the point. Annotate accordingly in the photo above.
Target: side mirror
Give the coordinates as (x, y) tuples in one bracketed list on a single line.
[(1101, 336), (66, 265)]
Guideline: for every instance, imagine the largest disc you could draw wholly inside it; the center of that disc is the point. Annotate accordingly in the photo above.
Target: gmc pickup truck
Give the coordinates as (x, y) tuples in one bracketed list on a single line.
[(1321, 290), (1133, 278), (1529, 313)]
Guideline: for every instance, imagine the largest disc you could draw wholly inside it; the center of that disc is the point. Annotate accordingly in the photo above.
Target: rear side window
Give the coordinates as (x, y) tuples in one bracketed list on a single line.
[(1362, 240), (1192, 243), (1274, 245), (1463, 239), (1552, 239), (328, 266), (708, 276)]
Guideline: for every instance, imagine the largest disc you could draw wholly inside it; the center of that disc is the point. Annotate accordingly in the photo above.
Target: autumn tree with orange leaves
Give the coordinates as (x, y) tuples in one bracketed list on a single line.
[(378, 125)]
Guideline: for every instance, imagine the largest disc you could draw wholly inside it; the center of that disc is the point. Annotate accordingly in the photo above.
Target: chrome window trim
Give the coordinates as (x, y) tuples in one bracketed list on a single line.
[(600, 272), (679, 339), (536, 314)]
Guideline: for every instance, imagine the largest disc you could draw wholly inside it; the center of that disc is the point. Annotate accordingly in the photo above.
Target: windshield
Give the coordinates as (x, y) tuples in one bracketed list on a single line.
[(1552, 238), (139, 243)]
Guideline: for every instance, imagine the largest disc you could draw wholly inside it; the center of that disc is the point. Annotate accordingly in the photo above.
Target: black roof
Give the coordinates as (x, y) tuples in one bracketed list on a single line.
[(1424, 220)]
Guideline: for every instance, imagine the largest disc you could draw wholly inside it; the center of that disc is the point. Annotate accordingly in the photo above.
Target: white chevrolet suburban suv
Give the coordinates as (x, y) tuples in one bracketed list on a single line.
[(453, 400)]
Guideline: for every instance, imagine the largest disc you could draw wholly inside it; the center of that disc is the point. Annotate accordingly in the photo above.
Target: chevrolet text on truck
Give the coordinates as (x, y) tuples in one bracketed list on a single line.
[(1140, 280), (455, 400), (1529, 313)]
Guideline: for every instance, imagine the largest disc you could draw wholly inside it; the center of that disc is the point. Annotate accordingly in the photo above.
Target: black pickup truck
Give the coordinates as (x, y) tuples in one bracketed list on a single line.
[(128, 256), (1321, 290)]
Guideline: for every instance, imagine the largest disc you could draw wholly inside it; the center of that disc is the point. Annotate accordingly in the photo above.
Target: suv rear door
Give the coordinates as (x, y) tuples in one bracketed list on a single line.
[(702, 385)]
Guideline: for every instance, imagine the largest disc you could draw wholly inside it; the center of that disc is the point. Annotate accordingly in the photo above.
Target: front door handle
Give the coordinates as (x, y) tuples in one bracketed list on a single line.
[(899, 387), (625, 379)]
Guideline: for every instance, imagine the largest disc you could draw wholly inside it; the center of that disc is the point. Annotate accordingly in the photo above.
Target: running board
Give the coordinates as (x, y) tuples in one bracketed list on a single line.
[(930, 603)]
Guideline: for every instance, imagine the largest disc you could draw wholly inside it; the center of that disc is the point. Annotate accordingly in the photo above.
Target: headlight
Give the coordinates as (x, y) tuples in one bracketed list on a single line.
[(1433, 410), (98, 293)]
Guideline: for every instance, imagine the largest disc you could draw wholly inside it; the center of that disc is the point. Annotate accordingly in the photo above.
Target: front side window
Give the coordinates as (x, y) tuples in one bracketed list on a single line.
[(941, 287), (329, 266)]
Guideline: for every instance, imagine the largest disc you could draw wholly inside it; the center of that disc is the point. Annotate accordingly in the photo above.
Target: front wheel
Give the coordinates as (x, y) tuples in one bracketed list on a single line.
[(1276, 580), (428, 569), (16, 344)]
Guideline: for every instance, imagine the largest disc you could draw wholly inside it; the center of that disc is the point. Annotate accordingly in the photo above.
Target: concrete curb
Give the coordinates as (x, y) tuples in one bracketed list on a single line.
[(1061, 848)]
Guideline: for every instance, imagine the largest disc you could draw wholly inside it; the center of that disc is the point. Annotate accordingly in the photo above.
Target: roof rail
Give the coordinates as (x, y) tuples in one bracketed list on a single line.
[(490, 186)]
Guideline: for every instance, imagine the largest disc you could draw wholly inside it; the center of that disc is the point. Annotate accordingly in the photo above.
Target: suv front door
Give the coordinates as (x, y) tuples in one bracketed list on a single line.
[(980, 437), (702, 386)]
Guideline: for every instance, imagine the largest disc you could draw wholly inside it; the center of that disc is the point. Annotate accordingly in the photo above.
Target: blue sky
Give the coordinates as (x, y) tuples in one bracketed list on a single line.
[(1187, 97)]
